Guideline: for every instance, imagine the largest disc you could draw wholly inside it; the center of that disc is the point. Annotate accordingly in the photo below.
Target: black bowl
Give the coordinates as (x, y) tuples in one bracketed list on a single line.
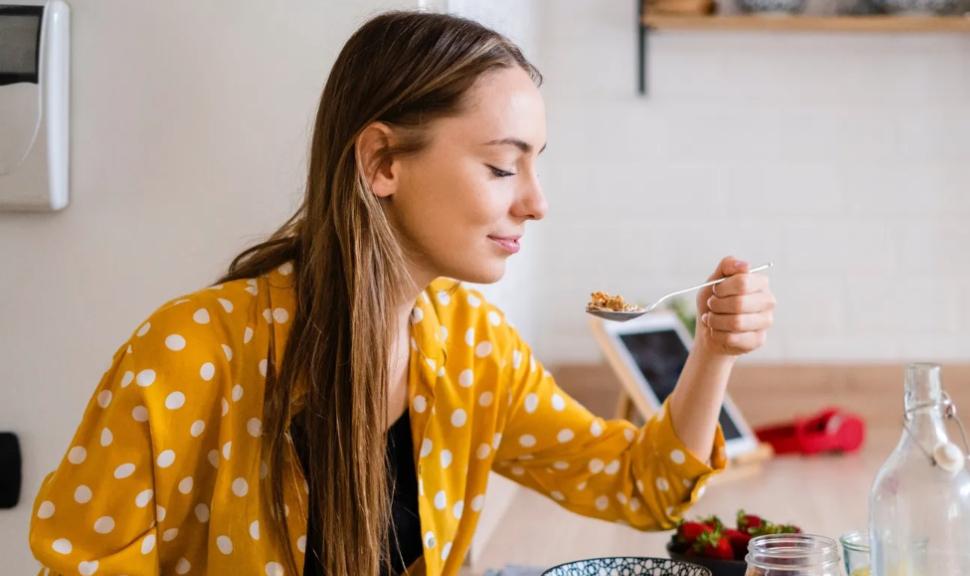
[(628, 565), (717, 567)]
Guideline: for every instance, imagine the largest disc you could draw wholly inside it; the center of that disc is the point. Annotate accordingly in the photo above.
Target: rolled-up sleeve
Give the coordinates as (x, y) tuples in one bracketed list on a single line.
[(609, 469)]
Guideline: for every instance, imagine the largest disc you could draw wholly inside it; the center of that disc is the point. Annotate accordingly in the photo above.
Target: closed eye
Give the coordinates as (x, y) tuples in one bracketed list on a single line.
[(498, 172)]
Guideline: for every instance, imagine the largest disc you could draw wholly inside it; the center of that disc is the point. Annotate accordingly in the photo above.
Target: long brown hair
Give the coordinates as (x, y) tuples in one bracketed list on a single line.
[(404, 69)]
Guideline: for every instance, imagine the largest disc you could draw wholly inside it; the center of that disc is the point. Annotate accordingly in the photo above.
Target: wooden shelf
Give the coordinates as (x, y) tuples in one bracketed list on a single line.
[(810, 23), (648, 22)]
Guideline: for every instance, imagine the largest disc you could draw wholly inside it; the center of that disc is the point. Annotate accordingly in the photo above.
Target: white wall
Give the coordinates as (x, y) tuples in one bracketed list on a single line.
[(518, 292), (845, 158), (190, 125)]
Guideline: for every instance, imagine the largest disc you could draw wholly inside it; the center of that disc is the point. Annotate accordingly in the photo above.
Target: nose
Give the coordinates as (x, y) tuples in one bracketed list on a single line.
[(531, 204)]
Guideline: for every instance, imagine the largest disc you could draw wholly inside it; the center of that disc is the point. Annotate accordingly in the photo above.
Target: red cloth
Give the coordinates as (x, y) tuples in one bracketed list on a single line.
[(830, 430)]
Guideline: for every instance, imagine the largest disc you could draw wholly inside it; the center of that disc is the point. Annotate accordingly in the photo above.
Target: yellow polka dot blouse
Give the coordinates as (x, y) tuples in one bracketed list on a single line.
[(164, 473)]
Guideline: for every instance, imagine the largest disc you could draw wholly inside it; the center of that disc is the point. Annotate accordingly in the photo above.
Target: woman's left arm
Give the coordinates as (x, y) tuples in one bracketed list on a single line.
[(732, 319)]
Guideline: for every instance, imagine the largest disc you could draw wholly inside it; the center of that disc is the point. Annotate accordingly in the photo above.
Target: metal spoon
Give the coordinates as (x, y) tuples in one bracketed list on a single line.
[(618, 316)]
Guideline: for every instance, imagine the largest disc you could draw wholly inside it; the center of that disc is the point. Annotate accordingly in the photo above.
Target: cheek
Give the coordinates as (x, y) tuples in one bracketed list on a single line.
[(486, 206), (452, 207), (471, 204)]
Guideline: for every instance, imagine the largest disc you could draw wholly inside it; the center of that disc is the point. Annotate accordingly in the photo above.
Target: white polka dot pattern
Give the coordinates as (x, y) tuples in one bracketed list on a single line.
[(124, 471), (240, 487), (420, 404), (166, 458), (202, 513), (145, 378), (466, 378), (77, 455), (224, 544), (45, 510), (483, 349), (147, 544), (83, 494), (531, 403), (186, 484), (677, 456), (483, 451), (104, 398), (143, 498), (558, 403), (175, 400), (139, 414), (478, 502), (181, 407), (485, 400), (175, 342)]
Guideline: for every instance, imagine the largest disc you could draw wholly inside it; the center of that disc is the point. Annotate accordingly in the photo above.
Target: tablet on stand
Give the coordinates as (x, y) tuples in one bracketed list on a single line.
[(648, 354)]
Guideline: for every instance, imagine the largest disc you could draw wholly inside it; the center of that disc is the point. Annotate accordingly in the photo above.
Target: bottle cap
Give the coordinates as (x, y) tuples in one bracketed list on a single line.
[(949, 457)]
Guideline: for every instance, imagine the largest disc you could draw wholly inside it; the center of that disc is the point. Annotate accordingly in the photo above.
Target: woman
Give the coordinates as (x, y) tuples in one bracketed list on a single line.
[(336, 402)]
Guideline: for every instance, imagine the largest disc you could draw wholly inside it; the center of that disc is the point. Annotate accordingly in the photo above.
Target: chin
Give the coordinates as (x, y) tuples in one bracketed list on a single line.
[(485, 273)]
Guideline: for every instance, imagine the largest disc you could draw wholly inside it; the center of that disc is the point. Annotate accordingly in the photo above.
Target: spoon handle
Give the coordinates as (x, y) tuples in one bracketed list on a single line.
[(706, 284)]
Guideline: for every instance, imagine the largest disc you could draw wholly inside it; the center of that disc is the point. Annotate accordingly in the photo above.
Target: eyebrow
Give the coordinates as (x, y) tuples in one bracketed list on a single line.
[(520, 144)]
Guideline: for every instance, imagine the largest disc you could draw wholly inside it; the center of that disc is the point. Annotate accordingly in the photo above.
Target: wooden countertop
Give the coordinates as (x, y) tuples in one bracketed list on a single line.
[(823, 494)]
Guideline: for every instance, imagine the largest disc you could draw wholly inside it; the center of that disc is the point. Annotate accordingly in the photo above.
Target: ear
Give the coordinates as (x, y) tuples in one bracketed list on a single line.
[(379, 168)]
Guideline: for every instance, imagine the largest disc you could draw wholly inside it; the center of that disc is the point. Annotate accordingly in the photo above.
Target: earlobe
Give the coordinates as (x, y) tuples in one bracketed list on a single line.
[(373, 148)]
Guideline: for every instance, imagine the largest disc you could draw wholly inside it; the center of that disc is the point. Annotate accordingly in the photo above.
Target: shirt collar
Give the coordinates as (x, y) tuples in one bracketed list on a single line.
[(427, 336)]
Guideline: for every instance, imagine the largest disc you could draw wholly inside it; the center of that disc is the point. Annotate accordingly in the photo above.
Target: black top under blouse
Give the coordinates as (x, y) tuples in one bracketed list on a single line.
[(404, 532)]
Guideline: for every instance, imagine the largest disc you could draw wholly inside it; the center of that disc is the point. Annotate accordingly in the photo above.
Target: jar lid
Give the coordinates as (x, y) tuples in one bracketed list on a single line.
[(794, 552)]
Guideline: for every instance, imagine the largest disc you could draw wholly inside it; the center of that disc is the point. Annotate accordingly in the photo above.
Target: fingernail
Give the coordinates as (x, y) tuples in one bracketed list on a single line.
[(739, 264), (704, 319), (709, 300)]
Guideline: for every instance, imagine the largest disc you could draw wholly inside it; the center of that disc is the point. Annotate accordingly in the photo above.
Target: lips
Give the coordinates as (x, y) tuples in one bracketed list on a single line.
[(508, 243)]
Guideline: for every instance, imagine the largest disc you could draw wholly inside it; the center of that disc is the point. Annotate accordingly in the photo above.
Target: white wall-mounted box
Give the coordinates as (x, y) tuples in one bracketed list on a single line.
[(34, 104)]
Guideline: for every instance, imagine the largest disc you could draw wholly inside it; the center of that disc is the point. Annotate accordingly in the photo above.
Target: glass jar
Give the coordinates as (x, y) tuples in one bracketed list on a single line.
[(919, 506), (855, 552), (793, 555)]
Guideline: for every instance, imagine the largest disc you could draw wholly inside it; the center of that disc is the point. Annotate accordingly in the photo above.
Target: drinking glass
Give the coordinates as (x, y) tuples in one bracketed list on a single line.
[(855, 552)]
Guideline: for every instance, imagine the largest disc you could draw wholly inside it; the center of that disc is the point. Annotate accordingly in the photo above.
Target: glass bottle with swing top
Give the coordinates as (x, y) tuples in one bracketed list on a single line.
[(919, 505)]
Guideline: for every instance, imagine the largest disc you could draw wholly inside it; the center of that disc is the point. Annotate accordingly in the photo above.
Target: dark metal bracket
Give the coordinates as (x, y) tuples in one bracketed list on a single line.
[(642, 45)]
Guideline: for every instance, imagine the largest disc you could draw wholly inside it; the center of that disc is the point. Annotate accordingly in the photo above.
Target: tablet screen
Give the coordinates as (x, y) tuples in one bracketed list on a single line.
[(660, 356)]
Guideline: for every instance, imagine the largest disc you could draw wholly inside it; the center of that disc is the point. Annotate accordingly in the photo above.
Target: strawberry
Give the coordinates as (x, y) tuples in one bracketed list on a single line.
[(739, 542), (749, 522), (714, 522), (714, 545), (789, 529), (689, 532)]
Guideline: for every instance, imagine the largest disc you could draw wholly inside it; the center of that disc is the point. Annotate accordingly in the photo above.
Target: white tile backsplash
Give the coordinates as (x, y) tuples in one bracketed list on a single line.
[(843, 157)]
